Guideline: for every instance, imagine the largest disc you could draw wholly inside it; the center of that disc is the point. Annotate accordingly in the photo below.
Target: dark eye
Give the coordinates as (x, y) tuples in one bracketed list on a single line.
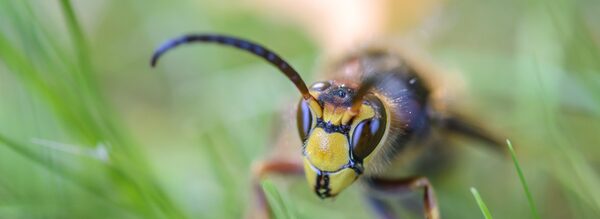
[(304, 119), (367, 135)]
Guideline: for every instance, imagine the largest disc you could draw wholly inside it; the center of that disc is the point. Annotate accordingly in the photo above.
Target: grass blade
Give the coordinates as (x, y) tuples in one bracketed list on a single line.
[(523, 182), (275, 201), (484, 210)]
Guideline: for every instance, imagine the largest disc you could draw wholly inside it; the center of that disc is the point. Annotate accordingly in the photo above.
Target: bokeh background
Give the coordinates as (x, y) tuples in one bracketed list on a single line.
[(89, 130)]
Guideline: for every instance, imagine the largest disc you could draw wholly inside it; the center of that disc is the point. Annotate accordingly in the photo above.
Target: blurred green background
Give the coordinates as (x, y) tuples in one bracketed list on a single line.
[(89, 130)]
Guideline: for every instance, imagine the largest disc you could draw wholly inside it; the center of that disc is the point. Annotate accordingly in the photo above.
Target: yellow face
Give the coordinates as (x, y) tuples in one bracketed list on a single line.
[(337, 143)]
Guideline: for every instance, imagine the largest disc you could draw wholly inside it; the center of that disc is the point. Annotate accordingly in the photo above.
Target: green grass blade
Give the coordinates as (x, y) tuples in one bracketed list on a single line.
[(523, 182), (484, 210), (54, 167), (275, 201)]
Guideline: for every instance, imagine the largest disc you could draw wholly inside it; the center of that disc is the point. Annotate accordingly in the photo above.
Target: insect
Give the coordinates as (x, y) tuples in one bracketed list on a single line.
[(372, 119)]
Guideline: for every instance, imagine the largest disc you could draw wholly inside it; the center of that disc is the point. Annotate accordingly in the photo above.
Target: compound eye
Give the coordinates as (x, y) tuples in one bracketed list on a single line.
[(367, 135), (304, 119)]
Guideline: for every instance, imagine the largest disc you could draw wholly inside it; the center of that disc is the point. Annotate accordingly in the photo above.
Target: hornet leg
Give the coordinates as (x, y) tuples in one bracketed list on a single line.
[(461, 126), (403, 185)]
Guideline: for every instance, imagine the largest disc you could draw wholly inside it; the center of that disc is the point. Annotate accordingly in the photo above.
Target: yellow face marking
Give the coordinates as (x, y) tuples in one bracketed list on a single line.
[(366, 112), (333, 114), (327, 151), (315, 94), (348, 115), (315, 107), (338, 181)]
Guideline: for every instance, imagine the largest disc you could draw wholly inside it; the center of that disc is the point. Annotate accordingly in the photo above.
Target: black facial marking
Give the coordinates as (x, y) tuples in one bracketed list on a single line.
[(357, 166), (322, 186), (330, 128)]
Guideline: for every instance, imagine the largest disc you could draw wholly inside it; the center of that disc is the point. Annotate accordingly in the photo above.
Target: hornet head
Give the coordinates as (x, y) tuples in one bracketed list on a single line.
[(341, 126)]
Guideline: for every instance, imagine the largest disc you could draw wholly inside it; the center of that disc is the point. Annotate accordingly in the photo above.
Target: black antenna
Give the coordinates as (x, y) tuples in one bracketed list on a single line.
[(246, 45)]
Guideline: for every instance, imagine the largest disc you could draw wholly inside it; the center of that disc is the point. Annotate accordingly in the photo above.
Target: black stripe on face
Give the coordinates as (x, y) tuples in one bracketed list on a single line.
[(330, 128), (322, 186)]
